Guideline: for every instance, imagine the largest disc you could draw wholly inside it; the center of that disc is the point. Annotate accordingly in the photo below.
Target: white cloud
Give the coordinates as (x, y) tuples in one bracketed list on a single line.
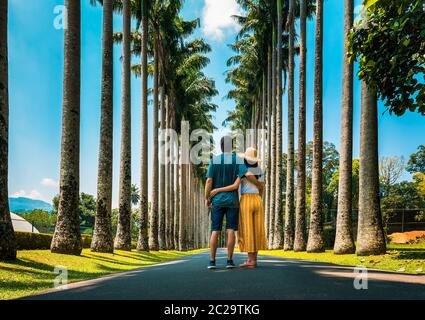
[(33, 194), (217, 19), (48, 182)]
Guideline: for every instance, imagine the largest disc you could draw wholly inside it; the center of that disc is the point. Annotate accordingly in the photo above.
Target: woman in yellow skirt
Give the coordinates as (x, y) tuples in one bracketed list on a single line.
[(251, 232)]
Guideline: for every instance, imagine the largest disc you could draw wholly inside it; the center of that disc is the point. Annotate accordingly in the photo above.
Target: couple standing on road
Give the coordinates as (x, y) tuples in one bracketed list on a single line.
[(227, 174)]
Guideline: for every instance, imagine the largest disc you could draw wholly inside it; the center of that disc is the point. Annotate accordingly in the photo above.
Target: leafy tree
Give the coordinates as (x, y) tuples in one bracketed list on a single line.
[(403, 195), (390, 171), (330, 161), (87, 209), (332, 188), (417, 161), (41, 219), (135, 195), (389, 45), (419, 178)]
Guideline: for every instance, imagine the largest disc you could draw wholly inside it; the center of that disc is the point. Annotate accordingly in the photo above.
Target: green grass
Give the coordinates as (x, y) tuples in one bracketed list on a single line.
[(409, 258), (33, 271)]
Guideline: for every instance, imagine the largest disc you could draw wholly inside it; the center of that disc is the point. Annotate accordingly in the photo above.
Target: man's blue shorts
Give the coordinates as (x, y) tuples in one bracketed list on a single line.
[(217, 216)]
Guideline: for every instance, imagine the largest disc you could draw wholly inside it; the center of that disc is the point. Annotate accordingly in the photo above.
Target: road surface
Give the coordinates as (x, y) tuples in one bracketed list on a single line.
[(275, 278)]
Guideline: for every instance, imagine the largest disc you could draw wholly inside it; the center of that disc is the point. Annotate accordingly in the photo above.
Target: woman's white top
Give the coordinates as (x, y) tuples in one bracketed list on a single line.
[(247, 187)]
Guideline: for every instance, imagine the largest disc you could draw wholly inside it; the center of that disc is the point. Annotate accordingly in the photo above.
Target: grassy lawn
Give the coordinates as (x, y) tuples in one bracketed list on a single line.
[(409, 258), (33, 271)]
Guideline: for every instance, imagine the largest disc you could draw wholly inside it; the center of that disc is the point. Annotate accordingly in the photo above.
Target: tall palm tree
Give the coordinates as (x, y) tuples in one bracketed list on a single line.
[(273, 146), (300, 242), (183, 246), (344, 243), (67, 237), (102, 235), (269, 123), (123, 236), (143, 240), (278, 223), (171, 191), (153, 238), (315, 238), (162, 212), (290, 196), (7, 236), (371, 237), (168, 219), (177, 225)]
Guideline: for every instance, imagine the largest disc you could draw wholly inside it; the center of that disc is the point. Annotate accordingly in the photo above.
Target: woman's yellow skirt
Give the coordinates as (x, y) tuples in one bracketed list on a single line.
[(252, 231)]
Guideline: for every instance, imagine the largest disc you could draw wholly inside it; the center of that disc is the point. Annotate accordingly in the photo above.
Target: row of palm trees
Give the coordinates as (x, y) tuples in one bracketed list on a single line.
[(262, 67), (176, 217)]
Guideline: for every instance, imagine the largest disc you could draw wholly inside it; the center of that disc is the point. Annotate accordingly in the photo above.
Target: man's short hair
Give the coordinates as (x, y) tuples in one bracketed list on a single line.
[(226, 144)]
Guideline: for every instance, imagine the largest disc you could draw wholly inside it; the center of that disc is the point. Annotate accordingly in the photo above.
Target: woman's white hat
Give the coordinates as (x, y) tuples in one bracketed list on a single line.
[(251, 154)]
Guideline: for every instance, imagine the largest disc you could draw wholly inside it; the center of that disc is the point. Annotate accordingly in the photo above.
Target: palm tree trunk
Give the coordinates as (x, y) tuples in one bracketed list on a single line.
[(7, 235), (183, 211), (170, 198), (263, 120), (123, 236), (177, 225), (184, 182), (278, 223), (344, 243), (163, 190), (300, 223), (269, 149), (171, 192), (290, 188), (153, 236), (168, 179), (273, 147), (102, 236), (371, 237), (315, 238), (143, 241)]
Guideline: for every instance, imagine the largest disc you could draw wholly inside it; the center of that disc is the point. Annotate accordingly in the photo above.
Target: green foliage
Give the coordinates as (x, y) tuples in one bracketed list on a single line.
[(417, 161), (38, 216), (330, 166), (40, 219), (390, 48), (403, 195), (329, 234), (40, 241), (135, 195), (87, 209), (134, 222), (332, 188), (419, 179)]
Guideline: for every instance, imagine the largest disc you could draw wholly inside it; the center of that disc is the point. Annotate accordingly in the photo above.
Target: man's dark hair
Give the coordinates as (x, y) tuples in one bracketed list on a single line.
[(226, 144)]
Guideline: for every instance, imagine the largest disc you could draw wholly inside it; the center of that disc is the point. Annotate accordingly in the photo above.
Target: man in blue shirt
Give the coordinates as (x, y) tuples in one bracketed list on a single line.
[(223, 171)]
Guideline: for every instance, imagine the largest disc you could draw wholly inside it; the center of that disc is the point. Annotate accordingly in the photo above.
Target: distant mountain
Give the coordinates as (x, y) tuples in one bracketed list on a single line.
[(25, 204)]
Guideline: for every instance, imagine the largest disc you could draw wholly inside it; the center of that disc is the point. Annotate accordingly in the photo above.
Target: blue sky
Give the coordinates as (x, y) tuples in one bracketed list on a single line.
[(36, 68)]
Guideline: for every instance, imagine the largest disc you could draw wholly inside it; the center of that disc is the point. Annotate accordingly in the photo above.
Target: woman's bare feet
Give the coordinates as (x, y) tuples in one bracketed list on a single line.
[(248, 264)]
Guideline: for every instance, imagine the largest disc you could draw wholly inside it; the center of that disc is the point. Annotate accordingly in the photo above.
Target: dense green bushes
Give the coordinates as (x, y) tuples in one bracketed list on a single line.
[(40, 241), (329, 236)]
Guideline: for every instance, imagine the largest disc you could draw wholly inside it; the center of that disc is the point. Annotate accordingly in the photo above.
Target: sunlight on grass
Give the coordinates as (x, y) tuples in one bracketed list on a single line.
[(34, 270), (409, 258)]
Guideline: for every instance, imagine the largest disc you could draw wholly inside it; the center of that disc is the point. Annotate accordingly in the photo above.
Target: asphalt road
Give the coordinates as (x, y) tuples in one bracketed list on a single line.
[(189, 279)]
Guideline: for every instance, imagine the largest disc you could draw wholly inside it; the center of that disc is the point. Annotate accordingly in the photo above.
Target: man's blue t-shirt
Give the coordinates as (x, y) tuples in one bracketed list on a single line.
[(224, 169)]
